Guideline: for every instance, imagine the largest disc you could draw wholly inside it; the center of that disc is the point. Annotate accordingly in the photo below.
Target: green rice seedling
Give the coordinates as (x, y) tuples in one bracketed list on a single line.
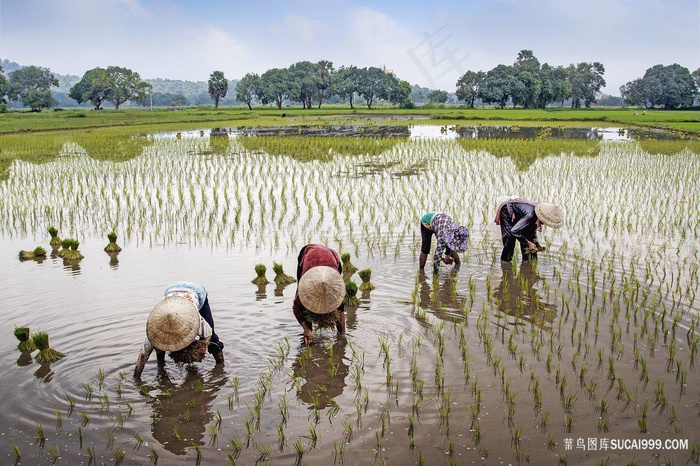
[(130, 407), (281, 278), (86, 419), (36, 253), (642, 420), (25, 342), (366, 275), (65, 247), (313, 435), (260, 270), (112, 246), (351, 299), (54, 453), (568, 422), (40, 435), (139, 440), (348, 268), (59, 420), (46, 355), (118, 454), (153, 454), (73, 254), (55, 241)]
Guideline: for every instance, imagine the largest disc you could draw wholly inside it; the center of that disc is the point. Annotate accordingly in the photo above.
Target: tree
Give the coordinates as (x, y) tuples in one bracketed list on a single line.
[(527, 83), (586, 79), (399, 92), (633, 93), (373, 84), (324, 73), (3, 86), (468, 86), (32, 84), (304, 83), (347, 83), (218, 87), (247, 89), (275, 85), (437, 96), (124, 85), (669, 86), (94, 87), (497, 86)]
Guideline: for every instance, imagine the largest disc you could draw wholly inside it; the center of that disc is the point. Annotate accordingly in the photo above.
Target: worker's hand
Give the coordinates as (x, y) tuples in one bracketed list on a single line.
[(308, 337), (533, 247), (448, 259)]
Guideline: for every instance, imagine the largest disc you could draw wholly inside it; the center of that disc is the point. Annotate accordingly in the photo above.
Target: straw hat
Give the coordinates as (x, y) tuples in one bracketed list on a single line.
[(502, 200), (457, 238), (321, 289), (172, 324), (549, 214)]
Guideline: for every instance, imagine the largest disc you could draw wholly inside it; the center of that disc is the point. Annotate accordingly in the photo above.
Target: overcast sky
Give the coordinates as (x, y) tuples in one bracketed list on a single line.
[(426, 43)]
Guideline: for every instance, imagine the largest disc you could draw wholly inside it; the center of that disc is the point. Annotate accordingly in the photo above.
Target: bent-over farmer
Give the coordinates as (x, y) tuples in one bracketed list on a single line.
[(183, 325), (451, 240), (320, 290), (520, 220)]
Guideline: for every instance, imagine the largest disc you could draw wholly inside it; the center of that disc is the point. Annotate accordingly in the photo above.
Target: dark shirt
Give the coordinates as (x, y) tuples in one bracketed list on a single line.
[(520, 221)]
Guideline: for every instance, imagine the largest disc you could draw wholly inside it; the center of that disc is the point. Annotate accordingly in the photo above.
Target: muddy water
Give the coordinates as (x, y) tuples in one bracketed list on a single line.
[(489, 364)]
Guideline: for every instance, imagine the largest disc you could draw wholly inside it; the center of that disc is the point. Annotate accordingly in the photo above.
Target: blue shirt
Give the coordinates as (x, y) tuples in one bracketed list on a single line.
[(427, 218)]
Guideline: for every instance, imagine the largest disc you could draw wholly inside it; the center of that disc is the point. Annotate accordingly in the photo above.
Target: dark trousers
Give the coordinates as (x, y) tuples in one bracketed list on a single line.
[(215, 344), (509, 240), (426, 237)]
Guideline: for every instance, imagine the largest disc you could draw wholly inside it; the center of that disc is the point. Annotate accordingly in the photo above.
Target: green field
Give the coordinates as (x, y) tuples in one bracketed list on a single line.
[(50, 120)]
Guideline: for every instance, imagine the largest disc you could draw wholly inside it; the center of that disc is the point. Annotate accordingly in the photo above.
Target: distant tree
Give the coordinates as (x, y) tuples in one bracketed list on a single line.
[(275, 85), (669, 86), (373, 84), (468, 86), (400, 91), (526, 85), (324, 74), (3, 87), (633, 93), (586, 79), (347, 83), (437, 96), (125, 85), (498, 85), (304, 83), (32, 85), (94, 87), (247, 89), (218, 87), (561, 87), (696, 79)]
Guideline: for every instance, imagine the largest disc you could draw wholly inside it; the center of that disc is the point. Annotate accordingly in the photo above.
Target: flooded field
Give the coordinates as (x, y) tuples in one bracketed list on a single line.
[(588, 356)]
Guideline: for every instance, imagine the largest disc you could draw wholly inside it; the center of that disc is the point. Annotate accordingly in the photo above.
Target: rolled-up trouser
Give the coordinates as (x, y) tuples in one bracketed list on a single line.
[(509, 240), (215, 345)]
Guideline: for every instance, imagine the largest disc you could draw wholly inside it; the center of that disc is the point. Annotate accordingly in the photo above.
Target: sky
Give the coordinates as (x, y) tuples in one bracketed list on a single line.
[(429, 43)]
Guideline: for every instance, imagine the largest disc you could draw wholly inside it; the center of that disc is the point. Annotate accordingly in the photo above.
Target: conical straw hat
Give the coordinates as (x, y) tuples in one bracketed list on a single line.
[(549, 214), (321, 289), (172, 324)]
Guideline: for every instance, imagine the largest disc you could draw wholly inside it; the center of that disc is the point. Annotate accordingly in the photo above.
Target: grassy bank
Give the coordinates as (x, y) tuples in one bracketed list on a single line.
[(50, 120)]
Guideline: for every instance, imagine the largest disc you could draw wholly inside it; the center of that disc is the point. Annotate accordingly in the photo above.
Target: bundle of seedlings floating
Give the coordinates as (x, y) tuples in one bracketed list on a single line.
[(45, 354), (112, 246), (73, 254), (351, 299), (260, 270), (281, 278), (329, 320), (348, 268), (366, 275), (65, 244), (25, 343), (36, 253), (194, 352), (55, 240)]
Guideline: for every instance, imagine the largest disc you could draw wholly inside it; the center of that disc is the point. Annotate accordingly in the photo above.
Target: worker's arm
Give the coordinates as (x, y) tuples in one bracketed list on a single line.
[(143, 357)]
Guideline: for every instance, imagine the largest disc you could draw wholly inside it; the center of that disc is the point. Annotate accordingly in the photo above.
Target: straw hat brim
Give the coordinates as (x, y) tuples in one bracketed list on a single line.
[(172, 324), (321, 289), (549, 214)]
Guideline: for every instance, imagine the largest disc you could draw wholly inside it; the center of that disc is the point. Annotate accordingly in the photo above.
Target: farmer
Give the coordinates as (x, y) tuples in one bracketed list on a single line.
[(520, 220), (321, 289), (182, 324), (451, 239)]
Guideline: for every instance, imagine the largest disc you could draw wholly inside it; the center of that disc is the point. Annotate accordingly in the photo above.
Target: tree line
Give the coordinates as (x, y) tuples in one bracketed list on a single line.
[(525, 83)]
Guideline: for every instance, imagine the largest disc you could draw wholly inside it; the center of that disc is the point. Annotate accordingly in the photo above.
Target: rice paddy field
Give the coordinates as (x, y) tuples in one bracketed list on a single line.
[(587, 356)]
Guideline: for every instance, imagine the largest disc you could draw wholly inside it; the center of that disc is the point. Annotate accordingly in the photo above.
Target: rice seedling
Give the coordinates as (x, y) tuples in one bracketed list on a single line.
[(55, 241), (281, 278), (40, 435), (36, 253), (351, 299), (347, 267), (366, 276), (112, 246), (54, 454), (25, 343), (118, 454), (72, 254), (139, 440), (260, 279), (46, 354)]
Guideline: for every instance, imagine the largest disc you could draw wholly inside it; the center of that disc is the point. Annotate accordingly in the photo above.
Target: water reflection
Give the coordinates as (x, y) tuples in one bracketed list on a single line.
[(25, 359), (72, 265), (113, 260), (181, 413), (44, 372), (441, 298), (323, 367), (517, 295)]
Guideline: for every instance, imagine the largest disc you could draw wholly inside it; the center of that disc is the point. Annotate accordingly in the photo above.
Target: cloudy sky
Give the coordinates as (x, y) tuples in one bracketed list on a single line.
[(427, 43)]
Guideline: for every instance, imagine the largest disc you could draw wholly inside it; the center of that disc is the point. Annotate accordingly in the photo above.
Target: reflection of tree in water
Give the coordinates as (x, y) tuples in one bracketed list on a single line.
[(322, 366), (516, 294), (181, 413), (441, 298)]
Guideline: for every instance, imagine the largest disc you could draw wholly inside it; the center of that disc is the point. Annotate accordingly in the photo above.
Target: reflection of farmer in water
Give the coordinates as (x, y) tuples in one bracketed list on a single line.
[(183, 412), (516, 295), (520, 220), (323, 368), (440, 297)]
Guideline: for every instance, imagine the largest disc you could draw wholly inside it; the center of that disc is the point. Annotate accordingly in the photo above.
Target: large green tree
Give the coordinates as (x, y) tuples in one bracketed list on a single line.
[(304, 83), (247, 89), (218, 87), (346, 84), (94, 87), (498, 85), (527, 80), (3, 86), (275, 85), (468, 86), (586, 79), (437, 96), (374, 84), (125, 85), (32, 85), (324, 74)]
